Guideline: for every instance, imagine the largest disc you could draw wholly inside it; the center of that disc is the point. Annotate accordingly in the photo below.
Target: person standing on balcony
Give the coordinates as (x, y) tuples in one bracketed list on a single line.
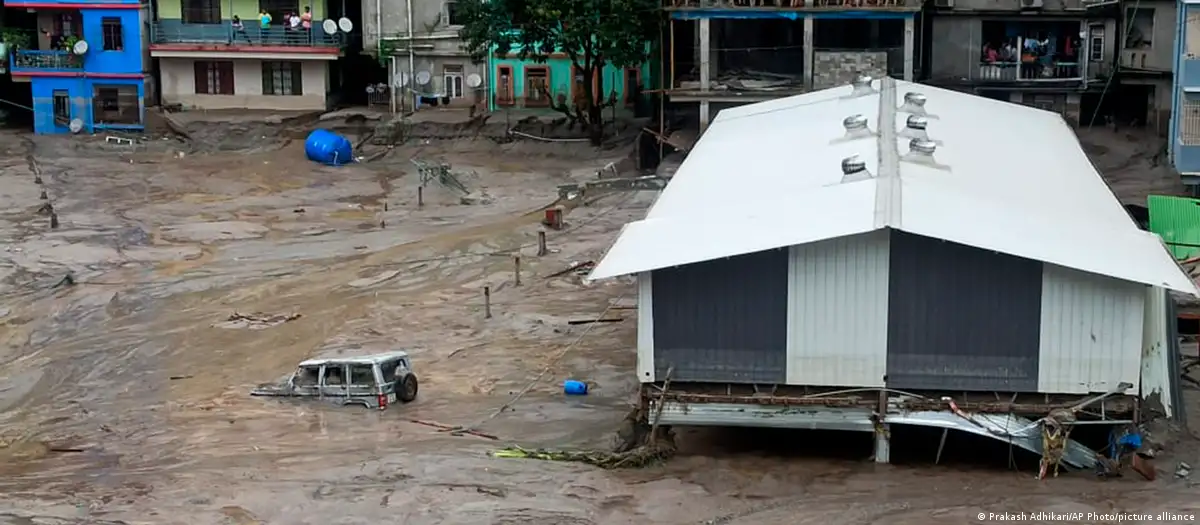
[(306, 22), (264, 24), (294, 27), (239, 30)]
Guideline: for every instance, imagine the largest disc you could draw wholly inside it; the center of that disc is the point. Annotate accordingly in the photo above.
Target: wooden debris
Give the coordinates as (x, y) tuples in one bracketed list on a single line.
[(577, 268), (590, 321), (454, 431)]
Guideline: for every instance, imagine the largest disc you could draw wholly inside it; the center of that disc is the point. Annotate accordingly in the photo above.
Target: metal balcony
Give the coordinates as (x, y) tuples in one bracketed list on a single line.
[(177, 32), (46, 61)]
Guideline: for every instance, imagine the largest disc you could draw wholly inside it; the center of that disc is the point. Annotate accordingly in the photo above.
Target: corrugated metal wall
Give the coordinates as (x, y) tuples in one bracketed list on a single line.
[(1091, 332), (961, 318), (723, 320), (838, 317)]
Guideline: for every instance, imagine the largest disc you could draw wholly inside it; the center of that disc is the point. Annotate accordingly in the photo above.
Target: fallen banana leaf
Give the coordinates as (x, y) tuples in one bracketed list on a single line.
[(636, 458)]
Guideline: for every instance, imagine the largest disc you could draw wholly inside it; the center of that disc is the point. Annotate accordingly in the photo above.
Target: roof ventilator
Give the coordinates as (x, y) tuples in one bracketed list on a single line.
[(914, 103), (914, 128), (856, 128), (920, 151), (854, 169), (862, 87)]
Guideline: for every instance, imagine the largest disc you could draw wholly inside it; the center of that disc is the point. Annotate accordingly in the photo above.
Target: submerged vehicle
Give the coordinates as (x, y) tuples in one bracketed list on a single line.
[(373, 381)]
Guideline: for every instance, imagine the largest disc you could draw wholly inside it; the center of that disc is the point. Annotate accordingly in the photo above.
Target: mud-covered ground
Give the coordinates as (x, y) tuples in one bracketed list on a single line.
[(123, 393)]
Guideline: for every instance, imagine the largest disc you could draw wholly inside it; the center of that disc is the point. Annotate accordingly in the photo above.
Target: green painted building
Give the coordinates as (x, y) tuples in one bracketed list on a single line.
[(518, 83)]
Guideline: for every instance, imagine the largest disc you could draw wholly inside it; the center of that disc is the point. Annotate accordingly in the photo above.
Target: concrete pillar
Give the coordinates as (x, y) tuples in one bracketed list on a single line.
[(1071, 110), (704, 71), (808, 52), (909, 32), (883, 446)]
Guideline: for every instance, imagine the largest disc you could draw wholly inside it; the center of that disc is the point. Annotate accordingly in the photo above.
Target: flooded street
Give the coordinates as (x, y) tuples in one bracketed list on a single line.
[(124, 394)]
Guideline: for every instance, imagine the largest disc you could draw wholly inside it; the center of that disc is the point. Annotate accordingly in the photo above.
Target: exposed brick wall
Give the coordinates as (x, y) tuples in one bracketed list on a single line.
[(837, 68)]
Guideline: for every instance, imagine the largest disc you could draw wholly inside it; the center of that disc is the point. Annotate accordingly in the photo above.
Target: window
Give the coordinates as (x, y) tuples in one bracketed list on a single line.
[(1096, 43), (335, 375), (114, 38), (504, 85), (362, 375), (62, 107), (281, 78), (452, 81), (633, 85), (307, 376), (201, 11), (214, 78), (453, 15), (278, 8), (1139, 27), (537, 86), (116, 104)]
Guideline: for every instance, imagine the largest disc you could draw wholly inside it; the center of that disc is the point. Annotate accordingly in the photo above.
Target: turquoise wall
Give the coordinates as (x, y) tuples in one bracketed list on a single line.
[(560, 78)]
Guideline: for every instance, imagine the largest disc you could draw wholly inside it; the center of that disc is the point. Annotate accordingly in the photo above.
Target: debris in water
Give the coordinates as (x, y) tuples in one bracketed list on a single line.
[(639, 457), (1183, 470), (369, 281), (256, 321), (578, 268)]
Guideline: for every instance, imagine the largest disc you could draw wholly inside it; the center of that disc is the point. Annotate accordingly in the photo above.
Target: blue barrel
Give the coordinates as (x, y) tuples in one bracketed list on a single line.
[(327, 147), (575, 388)]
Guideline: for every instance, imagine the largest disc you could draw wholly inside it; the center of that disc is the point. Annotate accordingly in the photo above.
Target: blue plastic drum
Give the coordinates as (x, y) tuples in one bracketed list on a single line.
[(575, 388), (327, 147)]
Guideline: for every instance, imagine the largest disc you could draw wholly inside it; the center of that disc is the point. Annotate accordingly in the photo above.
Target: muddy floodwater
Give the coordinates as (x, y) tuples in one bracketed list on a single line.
[(124, 390)]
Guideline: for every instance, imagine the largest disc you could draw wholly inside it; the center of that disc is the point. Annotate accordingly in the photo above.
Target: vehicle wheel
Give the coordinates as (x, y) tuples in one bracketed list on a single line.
[(408, 388)]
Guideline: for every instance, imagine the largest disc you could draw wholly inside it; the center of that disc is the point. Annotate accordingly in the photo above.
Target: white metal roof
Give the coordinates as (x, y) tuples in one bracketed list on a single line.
[(357, 360), (1003, 177)]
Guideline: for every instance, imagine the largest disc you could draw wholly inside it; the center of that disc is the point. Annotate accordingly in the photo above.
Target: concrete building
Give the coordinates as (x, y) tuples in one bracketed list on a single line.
[(426, 59), (528, 84), (723, 53), (205, 62), (88, 68), (1146, 58), (1064, 50), (817, 255), (1184, 141)]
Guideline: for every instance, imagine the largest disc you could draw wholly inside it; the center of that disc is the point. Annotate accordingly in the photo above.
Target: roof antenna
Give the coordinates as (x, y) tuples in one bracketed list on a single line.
[(854, 169), (914, 128), (914, 103)]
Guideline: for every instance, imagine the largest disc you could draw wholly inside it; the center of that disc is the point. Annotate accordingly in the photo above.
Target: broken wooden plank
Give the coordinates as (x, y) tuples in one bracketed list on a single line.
[(590, 321)]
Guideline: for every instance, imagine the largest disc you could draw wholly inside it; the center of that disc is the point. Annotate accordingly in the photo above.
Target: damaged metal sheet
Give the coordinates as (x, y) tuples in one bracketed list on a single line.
[(1017, 430), (771, 416)]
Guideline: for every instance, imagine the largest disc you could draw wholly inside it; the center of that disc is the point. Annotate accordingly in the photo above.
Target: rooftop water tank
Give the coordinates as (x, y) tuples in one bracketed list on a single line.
[(327, 147)]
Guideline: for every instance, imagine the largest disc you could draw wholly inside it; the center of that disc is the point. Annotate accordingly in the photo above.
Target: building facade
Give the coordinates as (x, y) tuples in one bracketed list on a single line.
[(730, 52), (1044, 53), (426, 60), (1145, 59), (86, 67), (518, 83), (1184, 141), (206, 61)]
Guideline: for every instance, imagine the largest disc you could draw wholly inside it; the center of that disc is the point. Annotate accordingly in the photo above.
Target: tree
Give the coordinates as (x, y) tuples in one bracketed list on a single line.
[(592, 33)]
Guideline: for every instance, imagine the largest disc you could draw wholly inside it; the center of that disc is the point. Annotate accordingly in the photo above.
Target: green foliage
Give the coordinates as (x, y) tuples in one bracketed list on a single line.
[(592, 33), (15, 38)]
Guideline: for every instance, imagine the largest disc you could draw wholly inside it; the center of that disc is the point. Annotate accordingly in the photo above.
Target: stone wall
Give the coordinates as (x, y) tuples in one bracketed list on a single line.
[(838, 68)]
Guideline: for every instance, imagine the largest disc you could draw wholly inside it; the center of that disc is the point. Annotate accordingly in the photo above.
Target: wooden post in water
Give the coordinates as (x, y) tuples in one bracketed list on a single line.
[(541, 243), (487, 302), (517, 270)]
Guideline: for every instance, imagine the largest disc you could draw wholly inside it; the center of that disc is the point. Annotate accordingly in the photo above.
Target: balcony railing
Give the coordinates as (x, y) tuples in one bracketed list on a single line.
[(27, 59), (1028, 72), (177, 32), (794, 4)]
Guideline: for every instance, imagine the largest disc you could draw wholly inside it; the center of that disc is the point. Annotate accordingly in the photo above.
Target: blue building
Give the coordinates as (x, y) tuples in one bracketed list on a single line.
[(86, 63), (1184, 139)]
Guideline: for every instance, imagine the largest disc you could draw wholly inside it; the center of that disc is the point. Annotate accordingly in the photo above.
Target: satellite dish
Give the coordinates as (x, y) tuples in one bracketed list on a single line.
[(400, 79), (80, 47), (329, 26), (370, 90), (345, 24), (423, 78), (474, 80), (76, 125)]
